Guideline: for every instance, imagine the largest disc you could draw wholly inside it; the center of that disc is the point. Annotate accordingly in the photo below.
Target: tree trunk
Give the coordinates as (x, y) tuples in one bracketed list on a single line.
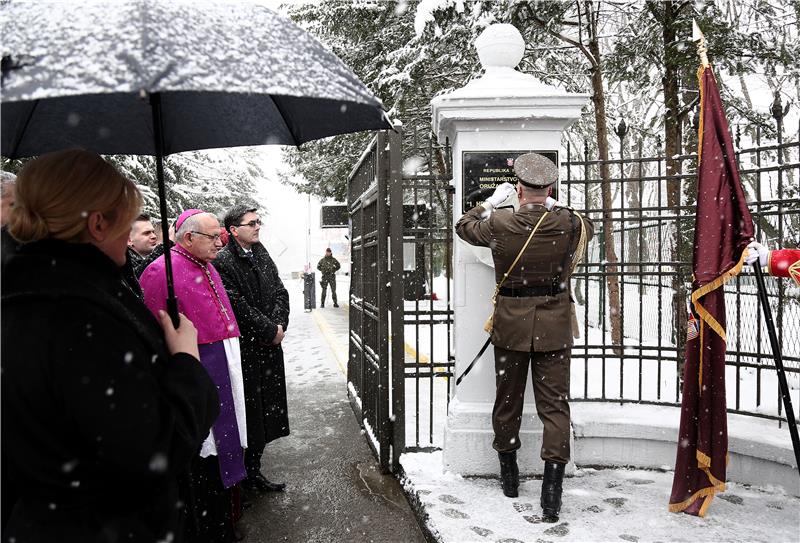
[(598, 100), (673, 148)]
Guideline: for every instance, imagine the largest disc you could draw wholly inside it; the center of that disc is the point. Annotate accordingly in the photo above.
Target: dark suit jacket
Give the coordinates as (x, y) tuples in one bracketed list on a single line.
[(536, 323), (260, 303)]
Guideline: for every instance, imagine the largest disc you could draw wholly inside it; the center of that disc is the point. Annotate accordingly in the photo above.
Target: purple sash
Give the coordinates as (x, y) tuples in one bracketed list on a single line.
[(226, 431)]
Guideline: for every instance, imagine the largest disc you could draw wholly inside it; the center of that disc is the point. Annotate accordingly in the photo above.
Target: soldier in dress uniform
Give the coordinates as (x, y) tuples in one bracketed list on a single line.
[(532, 321)]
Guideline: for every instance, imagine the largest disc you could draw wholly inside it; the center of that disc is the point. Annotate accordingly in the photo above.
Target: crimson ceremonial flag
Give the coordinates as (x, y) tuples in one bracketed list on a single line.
[(723, 228)]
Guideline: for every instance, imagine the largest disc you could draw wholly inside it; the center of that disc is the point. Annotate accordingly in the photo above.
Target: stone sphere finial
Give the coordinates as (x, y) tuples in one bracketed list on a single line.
[(500, 46)]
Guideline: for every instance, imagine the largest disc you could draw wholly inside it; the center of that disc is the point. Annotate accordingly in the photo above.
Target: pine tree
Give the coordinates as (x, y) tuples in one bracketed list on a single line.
[(212, 180)]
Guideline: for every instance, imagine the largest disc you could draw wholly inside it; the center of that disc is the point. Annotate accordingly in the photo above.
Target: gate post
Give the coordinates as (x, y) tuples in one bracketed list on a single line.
[(382, 217), (396, 302), (490, 122)]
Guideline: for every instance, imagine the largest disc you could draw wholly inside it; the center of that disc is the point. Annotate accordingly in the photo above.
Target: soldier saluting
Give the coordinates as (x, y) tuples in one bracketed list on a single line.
[(535, 250)]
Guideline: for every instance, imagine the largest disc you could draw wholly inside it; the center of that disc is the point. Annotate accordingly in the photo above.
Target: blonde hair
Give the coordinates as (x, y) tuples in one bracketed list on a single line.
[(57, 191)]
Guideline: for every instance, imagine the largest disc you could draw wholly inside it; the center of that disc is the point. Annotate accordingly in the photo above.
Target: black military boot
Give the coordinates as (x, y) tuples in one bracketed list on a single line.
[(509, 473), (551, 490)]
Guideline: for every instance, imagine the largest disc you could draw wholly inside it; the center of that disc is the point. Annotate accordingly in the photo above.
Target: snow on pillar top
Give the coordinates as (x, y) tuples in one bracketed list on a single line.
[(502, 93), (500, 46)]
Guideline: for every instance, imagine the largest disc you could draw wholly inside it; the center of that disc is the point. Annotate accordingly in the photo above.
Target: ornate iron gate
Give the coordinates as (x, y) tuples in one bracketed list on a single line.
[(401, 238), (371, 294)]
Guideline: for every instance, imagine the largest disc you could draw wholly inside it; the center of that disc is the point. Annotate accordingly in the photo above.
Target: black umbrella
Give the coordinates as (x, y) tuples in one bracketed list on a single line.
[(156, 77)]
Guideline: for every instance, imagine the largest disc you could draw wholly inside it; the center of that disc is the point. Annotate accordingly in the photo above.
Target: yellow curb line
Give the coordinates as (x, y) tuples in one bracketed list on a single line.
[(413, 354), (423, 359), (339, 353)]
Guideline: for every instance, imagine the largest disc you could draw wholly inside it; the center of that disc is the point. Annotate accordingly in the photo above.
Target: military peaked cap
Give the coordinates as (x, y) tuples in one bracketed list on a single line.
[(535, 170)]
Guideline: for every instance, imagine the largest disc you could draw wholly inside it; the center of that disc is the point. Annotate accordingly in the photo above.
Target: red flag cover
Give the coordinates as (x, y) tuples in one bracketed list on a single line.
[(785, 263), (723, 228)]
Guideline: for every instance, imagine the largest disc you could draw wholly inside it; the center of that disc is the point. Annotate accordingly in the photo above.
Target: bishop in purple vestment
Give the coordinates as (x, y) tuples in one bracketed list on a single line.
[(202, 298)]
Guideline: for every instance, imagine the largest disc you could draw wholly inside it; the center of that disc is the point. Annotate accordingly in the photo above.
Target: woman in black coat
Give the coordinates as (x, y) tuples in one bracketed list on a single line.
[(103, 407)]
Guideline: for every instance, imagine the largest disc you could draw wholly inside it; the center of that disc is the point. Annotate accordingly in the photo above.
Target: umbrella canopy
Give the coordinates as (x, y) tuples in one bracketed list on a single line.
[(159, 77), (83, 73)]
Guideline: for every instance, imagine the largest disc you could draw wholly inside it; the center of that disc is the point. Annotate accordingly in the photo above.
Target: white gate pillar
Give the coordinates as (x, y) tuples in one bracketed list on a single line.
[(490, 122)]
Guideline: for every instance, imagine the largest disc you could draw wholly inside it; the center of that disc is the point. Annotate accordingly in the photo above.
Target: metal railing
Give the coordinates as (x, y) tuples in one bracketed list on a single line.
[(653, 243), (401, 357), (428, 315)]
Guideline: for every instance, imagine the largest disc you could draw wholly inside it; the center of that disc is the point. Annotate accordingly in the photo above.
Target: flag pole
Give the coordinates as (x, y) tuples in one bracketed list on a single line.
[(702, 50), (776, 353)]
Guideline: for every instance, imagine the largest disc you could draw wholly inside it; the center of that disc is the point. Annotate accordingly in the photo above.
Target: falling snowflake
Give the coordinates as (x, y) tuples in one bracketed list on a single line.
[(158, 463)]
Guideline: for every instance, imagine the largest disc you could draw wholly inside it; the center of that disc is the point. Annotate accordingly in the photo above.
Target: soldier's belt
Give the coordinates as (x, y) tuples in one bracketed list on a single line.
[(527, 292)]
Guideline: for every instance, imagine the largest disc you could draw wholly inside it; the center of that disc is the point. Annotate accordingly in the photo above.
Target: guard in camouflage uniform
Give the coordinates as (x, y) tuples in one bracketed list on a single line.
[(328, 266), (540, 243)]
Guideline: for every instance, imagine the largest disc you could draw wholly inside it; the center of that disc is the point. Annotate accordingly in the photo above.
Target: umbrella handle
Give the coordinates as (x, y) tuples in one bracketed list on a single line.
[(158, 140), (172, 311)]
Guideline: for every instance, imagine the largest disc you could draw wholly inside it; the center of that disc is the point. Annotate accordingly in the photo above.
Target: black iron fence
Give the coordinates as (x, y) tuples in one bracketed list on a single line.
[(428, 315), (652, 240), (401, 354)]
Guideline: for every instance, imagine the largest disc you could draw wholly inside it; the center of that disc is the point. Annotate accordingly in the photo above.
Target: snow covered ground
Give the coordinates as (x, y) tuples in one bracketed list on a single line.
[(641, 310), (598, 505)]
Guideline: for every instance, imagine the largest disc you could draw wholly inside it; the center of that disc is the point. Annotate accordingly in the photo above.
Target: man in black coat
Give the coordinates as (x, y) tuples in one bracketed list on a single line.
[(261, 305), (141, 243)]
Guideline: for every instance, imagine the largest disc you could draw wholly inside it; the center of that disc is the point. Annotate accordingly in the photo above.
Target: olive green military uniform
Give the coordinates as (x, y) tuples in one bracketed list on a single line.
[(328, 266), (532, 318)]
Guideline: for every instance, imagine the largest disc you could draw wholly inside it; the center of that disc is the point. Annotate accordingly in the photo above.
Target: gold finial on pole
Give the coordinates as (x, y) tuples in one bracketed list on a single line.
[(702, 51)]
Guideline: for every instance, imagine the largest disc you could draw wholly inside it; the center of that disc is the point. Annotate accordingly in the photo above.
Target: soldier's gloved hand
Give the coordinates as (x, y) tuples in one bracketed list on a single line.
[(756, 251), (501, 194), (550, 203)]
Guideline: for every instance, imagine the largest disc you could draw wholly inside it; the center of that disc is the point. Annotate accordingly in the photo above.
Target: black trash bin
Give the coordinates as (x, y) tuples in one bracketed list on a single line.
[(309, 291)]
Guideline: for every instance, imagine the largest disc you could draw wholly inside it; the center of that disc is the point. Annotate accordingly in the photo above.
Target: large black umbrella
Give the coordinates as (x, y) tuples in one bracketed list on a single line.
[(159, 77)]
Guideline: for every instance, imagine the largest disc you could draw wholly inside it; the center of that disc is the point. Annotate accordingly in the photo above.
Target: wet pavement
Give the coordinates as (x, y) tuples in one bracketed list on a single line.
[(335, 492)]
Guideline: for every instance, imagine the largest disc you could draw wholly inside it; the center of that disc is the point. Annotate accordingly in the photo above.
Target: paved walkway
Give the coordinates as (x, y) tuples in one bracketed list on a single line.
[(334, 490)]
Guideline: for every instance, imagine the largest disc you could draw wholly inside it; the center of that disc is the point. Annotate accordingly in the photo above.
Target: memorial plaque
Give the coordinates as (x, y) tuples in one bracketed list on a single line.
[(483, 171)]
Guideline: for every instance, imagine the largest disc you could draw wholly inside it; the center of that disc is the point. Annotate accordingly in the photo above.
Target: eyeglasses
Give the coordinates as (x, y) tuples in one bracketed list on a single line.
[(215, 237), (251, 224)]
